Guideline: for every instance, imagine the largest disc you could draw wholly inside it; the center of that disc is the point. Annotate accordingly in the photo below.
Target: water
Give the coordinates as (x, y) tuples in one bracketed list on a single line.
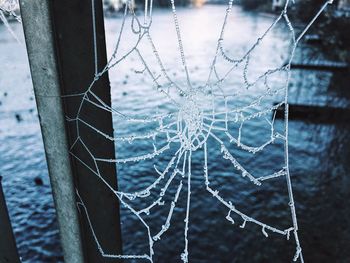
[(318, 153)]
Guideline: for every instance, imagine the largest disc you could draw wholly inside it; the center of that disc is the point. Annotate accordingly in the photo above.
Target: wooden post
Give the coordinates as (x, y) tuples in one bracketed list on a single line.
[(71, 28), (8, 248)]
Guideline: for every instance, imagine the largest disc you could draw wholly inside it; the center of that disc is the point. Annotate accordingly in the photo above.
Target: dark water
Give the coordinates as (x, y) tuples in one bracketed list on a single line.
[(318, 152)]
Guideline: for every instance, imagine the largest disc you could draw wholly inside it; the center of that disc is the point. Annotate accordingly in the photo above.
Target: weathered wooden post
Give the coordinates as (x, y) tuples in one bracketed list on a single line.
[(60, 43), (8, 248)]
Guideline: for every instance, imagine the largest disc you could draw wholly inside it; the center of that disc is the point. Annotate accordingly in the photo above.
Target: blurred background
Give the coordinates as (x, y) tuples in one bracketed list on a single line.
[(319, 138)]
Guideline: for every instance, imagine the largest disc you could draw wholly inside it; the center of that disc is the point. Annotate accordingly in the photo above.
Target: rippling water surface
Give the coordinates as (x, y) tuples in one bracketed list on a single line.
[(318, 152)]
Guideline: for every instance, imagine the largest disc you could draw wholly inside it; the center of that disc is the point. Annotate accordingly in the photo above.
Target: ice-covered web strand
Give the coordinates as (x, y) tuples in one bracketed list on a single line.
[(131, 196), (236, 62), (180, 43), (298, 253), (9, 7), (189, 128)]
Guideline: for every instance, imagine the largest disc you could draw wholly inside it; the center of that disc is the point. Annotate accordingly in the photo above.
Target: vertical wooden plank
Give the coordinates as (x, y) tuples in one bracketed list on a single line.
[(73, 28)]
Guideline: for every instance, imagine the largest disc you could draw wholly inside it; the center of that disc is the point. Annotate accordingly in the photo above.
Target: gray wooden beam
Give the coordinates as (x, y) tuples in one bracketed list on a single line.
[(39, 38), (8, 248)]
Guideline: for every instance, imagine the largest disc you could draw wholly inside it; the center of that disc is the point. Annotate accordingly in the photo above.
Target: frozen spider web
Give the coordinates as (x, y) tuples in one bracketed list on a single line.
[(196, 118), (8, 8)]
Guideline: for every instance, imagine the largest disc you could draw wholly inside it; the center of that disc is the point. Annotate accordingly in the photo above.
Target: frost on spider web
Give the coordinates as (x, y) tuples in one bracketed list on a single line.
[(187, 117), (8, 8)]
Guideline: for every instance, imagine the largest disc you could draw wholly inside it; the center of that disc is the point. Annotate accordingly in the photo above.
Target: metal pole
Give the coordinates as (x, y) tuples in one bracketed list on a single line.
[(43, 65), (8, 248)]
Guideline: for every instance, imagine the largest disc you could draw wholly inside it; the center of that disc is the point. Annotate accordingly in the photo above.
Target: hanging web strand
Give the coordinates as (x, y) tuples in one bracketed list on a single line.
[(196, 119), (9, 7), (179, 40)]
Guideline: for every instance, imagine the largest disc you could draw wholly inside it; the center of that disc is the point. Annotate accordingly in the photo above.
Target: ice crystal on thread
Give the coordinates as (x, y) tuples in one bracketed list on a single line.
[(8, 8)]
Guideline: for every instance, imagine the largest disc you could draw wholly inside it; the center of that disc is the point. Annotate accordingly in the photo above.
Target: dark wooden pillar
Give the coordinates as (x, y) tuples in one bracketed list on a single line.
[(74, 41), (8, 248)]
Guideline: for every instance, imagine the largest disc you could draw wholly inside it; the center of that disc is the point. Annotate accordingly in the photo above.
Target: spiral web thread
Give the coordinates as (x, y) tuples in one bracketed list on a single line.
[(189, 126)]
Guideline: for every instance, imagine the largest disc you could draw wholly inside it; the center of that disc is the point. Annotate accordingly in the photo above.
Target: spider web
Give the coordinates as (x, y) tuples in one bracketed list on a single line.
[(8, 7), (197, 114)]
